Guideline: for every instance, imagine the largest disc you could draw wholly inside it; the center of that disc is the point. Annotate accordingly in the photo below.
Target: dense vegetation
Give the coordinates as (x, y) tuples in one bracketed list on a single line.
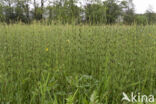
[(75, 64), (74, 12)]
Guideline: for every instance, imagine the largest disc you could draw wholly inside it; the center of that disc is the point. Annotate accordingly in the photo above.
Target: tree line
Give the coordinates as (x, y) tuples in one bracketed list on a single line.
[(72, 11)]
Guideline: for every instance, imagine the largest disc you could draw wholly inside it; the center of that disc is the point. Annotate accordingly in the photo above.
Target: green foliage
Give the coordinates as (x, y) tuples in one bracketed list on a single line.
[(151, 17), (141, 20), (38, 13), (59, 64), (67, 12), (70, 99), (113, 11), (129, 16), (15, 10), (1, 14), (94, 98), (95, 14)]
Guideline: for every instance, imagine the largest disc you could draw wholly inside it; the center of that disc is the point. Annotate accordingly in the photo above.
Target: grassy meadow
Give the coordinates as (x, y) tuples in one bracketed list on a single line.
[(68, 64)]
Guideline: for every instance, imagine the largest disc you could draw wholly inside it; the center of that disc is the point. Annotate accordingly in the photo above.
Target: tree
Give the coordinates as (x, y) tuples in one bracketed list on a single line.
[(151, 16), (7, 7), (72, 11), (27, 10), (129, 15), (21, 10), (42, 7), (15, 10), (1, 13), (141, 19), (37, 11), (65, 11), (95, 13), (113, 10)]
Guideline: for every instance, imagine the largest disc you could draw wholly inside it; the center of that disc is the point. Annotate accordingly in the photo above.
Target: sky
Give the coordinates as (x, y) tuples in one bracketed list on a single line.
[(142, 5)]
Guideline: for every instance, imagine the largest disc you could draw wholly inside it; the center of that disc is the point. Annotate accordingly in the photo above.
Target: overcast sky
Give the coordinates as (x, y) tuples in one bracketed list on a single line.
[(142, 5)]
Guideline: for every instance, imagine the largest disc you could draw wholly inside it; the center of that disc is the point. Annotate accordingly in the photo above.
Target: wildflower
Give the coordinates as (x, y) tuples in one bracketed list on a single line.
[(46, 49), (68, 41)]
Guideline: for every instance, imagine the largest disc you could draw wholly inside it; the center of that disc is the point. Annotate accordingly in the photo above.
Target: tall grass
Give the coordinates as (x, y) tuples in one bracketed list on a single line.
[(68, 64)]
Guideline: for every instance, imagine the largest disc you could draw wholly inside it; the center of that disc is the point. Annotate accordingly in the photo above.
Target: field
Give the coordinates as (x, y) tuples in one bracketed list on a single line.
[(70, 64)]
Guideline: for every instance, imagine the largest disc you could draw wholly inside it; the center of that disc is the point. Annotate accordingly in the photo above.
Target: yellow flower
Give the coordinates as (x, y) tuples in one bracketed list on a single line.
[(46, 49), (68, 41)]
